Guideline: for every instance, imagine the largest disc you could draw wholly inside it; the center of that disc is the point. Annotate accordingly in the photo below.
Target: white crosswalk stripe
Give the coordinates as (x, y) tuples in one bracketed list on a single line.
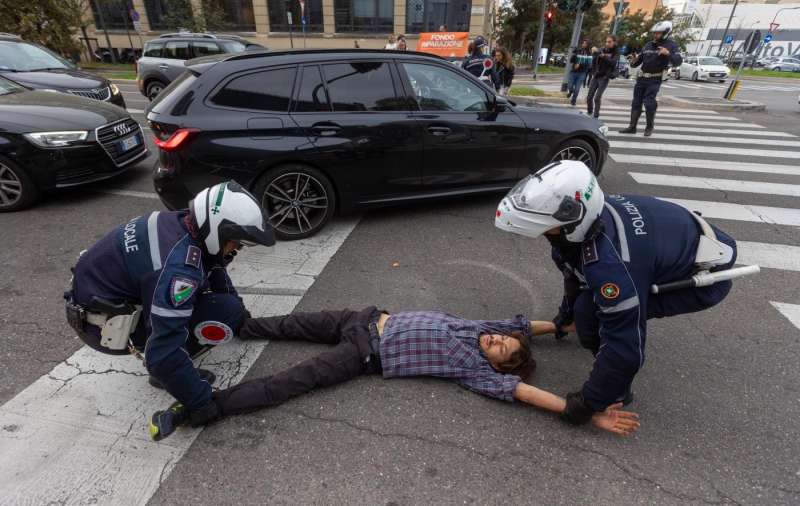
[(685, 156)]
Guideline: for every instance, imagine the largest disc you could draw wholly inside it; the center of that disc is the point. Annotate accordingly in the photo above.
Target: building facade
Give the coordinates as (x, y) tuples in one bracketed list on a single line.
[(326, 23), (631, 6)]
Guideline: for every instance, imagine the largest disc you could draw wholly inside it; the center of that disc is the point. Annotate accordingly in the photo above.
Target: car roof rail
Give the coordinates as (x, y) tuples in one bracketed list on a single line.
[(10, 35), (187, 34), (353, 51)]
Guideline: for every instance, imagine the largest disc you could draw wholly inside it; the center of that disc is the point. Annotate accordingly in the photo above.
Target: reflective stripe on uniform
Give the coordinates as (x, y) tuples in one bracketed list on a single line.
[(624, 305), (170, 313), (623, 238), (152, 234)]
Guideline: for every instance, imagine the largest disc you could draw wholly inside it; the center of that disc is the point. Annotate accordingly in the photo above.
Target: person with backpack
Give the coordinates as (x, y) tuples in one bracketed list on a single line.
[(580, 63), (604, 68)]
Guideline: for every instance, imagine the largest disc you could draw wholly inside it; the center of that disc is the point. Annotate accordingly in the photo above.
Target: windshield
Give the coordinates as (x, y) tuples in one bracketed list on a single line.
[(7, 87), (711, 61), (25, 57)]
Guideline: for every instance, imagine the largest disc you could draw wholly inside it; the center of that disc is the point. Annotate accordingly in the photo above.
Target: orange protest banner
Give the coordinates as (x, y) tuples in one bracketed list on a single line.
[(445, 44)]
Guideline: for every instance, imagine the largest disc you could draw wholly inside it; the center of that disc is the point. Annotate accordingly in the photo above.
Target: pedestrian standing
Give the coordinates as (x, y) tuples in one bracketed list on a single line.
[(580, 63), (604, 68), (657, 56), (402, 45), (391, 43), (504, 65)]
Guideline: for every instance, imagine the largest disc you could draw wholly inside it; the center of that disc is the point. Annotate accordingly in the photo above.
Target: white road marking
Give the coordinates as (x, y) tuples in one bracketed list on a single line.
[(676, 115), (666, 161), (718, 131), (131, 193), (790, 311), (135, 111), (79, 434), (770, 256), (671, 149), (680, 122), (742, 212), (710, 183), (715, 139), (660, 109)]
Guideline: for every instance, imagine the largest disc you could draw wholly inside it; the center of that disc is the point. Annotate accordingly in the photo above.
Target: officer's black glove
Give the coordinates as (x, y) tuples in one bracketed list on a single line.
[(576, 412), (164, 423), (562, 320)]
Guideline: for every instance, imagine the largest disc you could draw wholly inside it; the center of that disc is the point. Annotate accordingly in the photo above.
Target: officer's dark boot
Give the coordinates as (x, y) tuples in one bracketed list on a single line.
[(651, 120), (204, 374), (634, 121)]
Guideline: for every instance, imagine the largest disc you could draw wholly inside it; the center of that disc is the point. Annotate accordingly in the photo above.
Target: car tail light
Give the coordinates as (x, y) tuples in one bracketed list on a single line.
[(177, 140)]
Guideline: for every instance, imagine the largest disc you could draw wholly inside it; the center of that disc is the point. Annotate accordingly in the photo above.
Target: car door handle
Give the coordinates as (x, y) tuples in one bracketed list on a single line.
[(326, 129), (163, 66), (438, 130)]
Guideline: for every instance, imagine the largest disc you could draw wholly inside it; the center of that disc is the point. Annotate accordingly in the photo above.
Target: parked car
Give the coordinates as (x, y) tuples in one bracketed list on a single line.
[(706, 68), (784, 65), (763, 62), (36, 67), (56, 140), (163, 58), (314, 132), (623, 68), (558, 60)]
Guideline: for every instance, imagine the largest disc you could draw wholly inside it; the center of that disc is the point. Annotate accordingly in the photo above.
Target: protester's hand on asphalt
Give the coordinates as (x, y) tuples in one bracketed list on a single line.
[(613, 419)]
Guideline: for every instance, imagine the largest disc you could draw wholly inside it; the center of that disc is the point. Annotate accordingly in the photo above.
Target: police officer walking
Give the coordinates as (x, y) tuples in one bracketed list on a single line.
[(657, 56), (157, 285), (611, 250)]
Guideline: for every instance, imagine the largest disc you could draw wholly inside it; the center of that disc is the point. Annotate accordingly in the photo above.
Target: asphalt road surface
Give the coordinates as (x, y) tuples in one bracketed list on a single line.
[(719, 396)]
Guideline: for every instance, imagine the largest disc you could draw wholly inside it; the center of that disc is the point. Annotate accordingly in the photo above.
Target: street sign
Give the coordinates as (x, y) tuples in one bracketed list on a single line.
[(767, 38), (773, 26), (289, 16), (134, 15), (137, 26), (728, 39)]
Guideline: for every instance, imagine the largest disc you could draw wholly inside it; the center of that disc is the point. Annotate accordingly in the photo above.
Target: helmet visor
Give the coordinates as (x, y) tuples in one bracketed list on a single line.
[(569, 210)]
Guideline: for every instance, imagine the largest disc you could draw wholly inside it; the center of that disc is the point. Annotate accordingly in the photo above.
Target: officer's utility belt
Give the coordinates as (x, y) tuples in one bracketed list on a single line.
[(649, 75), (116, 321)]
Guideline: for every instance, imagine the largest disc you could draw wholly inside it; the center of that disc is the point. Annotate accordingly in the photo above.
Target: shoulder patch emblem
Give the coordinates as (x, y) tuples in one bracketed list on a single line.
[(609, 291), (193, 256), (181, 290), (589, 250)]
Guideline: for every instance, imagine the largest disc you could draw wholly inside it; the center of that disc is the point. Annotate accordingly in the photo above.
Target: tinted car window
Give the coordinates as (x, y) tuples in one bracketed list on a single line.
[(178, 50), (439, 89), (153, 49), (311, 96), (203, 48), (270, 90), (173, 93), (361, 86)]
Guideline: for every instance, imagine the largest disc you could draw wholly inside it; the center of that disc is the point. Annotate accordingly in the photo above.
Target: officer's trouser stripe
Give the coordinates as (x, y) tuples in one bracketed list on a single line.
[(152, 234)]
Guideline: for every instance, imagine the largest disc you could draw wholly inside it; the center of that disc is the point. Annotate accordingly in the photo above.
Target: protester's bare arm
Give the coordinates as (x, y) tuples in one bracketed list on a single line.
[(539, 328), (612, 419)]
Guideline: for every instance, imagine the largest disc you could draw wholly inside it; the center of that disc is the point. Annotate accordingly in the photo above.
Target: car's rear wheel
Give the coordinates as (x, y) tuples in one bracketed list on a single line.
[(777, 69), (695, 76), (153, 89), (17, 189), (298, 200), (578, 150), (678, 74)]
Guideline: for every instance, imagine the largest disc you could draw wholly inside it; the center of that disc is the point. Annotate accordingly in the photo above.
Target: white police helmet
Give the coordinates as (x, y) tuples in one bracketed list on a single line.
[(227, 212), (564, 194), (663, 26)]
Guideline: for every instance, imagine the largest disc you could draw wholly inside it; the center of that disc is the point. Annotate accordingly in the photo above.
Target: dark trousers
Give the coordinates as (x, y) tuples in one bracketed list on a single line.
[(645, 92), (352, 355), (596, 89)]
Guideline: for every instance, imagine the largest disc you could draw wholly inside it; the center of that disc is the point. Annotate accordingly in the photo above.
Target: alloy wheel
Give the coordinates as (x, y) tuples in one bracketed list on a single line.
[(10, 186), (296, 203), (154, 90), (575, 153)]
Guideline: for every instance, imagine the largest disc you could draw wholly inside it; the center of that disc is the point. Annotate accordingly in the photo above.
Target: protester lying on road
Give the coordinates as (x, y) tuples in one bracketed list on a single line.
[(612, 251), (488, 357), (158, 285)]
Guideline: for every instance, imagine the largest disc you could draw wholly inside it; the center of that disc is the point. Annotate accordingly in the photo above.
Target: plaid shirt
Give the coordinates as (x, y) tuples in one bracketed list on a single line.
[(430, 343)]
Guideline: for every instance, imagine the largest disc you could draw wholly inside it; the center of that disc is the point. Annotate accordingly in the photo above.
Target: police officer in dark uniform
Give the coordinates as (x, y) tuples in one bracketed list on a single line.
[(611, 250), (656, 57), (474, 63), (157, 286)]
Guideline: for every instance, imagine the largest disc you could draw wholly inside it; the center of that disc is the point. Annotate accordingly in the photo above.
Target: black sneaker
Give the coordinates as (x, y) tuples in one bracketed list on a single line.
[(204, 374)]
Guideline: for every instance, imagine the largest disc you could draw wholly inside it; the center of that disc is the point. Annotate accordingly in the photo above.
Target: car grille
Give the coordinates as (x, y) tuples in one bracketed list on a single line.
[(69, 175), (97, 93), (109, 136)]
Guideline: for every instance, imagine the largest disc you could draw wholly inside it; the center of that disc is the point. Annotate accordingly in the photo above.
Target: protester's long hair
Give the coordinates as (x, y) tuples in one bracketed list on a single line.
[(505, 57)]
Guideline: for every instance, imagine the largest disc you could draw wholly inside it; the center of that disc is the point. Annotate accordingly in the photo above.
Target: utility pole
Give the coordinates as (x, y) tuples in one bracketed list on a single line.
[(617, 16), (573, 43), (539, 38), (105, 30), (727, 27)]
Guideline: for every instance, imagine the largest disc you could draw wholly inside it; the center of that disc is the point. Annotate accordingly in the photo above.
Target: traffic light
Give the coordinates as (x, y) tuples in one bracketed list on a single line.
[(548, 17)]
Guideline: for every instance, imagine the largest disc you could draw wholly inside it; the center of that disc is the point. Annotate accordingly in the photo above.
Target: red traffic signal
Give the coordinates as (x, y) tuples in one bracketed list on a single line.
[(548, 16)]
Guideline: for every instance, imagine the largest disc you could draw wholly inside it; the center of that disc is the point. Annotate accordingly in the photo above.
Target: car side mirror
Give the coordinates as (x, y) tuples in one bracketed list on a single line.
[(501, 104)]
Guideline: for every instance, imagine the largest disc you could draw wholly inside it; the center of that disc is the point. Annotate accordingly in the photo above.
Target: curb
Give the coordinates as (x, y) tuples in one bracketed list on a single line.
[(538, 100), (734, 105)]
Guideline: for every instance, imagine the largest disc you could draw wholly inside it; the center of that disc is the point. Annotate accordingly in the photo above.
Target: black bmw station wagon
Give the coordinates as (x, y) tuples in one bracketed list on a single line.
[(316, 132)]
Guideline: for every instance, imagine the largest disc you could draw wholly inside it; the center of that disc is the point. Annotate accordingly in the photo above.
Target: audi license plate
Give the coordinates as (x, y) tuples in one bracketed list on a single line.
[(129, 143)]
